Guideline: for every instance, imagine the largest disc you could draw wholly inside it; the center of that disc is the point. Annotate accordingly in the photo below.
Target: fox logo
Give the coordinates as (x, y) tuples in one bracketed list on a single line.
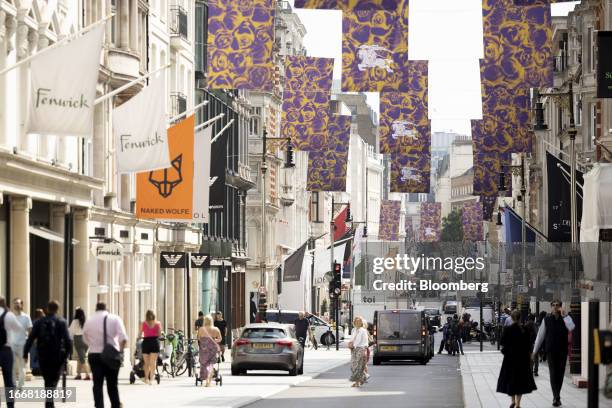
[(172, 177), (172, 259)]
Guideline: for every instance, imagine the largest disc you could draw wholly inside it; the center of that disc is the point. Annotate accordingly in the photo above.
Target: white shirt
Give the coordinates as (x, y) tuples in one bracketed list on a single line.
[(75, 329), (360, 337), (14, 329), (93, 331), (18, 339), (569, 324)]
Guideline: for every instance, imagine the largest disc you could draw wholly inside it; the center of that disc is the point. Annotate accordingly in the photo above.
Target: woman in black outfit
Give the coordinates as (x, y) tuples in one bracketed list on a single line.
[(515, 376)]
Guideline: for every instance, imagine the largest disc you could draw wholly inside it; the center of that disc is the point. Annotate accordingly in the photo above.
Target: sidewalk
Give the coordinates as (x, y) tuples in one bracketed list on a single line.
[(479, 372), (181, 391)]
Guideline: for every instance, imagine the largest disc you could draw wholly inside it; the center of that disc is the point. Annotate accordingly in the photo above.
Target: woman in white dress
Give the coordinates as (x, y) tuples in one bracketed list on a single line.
[(358, 345)]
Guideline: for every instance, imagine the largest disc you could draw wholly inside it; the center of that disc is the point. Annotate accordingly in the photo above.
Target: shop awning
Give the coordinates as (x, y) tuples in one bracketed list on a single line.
[(49, 234)]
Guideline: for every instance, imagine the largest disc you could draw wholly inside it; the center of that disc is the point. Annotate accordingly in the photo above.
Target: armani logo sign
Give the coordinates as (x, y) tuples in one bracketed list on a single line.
[(212, 181), (172, 177), (172, 260), (198, 260)]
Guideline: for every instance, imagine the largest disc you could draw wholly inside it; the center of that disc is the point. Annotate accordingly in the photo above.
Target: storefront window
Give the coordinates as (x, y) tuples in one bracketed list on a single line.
[(210, 290)]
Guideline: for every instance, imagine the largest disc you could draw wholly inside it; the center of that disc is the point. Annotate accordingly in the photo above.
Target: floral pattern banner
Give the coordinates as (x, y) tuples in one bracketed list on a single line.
[(327, 168), (388, 229), (472, 221), (487, 168), (488, 206), (305, 119), (403, 114), (411, 163), (240, 41), (308, 73), (375, 51), (348, 5), (518, 44), (430, 229)]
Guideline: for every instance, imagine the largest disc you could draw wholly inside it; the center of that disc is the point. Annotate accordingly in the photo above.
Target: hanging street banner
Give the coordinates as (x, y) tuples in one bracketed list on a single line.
[(167, 194), (292, 266), (348, 5), (411, 165), (430, 229), (172, 259), (518, 44), (604, 64), (401, 113), (559, 199), (199, 261), (472, 219), (63, 87), (488, 206), (487, 168), (240, 42), (375, 51), (201, 174), (305, 119), (139, 125), (327, 168), (388, 228), (308, 73)]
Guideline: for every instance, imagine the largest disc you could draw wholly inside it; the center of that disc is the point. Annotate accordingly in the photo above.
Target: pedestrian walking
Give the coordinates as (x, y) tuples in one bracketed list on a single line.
[(34, 366), (9, 326), (302, 325), (209, 338), (532, 331), (358, 346), (200, 321), (150, 331), (554, 334), (515, 376), (93, 333), (76, 334), (455, 329), (445, 334), (369, 328), (221, 324), (542, 352), (53, 344), (17, 342)]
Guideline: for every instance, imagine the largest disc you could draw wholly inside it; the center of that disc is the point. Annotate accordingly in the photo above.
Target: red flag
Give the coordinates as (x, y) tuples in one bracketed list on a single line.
[(340, 225)]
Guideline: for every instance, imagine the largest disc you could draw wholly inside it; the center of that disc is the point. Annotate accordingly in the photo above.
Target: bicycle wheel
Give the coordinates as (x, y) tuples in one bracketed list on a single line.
[(181, 366)]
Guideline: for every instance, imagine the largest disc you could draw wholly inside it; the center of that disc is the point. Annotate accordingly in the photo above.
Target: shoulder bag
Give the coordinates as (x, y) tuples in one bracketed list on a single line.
[(110, 355)]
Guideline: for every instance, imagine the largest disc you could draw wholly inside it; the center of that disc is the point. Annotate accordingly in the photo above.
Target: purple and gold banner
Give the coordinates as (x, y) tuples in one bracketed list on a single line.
[(240, 41), (488, 207), (430, 229), (472, 221), (518, 44), (308, 73), (327, 168), (404, 114), (348, 5), (375, 51), (388, 228), (411, 164), (305, 119), (487, 168)]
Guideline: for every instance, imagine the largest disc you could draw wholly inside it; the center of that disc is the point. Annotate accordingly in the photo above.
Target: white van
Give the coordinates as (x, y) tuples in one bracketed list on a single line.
[(322, 330)]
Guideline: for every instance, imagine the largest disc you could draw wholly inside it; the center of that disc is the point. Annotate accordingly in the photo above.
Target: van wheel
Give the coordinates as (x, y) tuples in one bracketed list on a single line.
[(376, 361), (423, 361)]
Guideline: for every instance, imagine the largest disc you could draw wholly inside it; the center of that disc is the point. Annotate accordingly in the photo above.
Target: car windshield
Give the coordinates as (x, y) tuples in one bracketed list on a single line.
[(432, 311), (282, 317), (398, 326), (263, 333)]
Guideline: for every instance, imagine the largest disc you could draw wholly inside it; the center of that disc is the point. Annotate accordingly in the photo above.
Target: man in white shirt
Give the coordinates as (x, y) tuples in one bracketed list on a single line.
[(93, 334), (18, 340), (9, 327)]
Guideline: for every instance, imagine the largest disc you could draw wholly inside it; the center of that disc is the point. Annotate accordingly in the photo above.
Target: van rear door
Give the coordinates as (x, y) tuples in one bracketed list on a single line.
[(399, 332)]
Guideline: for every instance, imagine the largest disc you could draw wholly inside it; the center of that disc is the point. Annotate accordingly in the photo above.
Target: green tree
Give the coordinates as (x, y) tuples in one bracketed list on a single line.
[(452, 227)]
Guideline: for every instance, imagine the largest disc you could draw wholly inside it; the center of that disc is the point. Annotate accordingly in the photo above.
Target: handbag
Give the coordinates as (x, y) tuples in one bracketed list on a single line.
[(110, 356)]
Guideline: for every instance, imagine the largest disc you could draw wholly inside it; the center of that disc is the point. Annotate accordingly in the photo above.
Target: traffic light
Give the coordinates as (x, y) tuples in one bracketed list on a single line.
[(335, 286)]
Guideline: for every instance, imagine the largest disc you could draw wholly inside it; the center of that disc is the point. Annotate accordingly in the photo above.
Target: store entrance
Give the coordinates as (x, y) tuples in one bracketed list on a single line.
[(39, 272)]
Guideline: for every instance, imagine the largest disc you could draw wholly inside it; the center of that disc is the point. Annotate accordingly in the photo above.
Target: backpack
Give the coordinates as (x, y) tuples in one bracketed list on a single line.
[(454, 328), (51, 343), (2, 329)]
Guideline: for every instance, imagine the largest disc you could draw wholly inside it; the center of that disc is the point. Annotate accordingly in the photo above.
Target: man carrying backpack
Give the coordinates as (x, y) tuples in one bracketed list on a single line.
[(9, 327), (53, 344), (455, 328)]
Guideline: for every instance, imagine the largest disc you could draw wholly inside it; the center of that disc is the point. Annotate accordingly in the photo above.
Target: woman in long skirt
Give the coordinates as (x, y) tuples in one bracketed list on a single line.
[(208, 340), (358, 345)]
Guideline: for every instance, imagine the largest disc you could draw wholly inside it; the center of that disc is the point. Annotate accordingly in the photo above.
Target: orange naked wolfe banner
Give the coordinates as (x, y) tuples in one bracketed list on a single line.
[(167, 194)]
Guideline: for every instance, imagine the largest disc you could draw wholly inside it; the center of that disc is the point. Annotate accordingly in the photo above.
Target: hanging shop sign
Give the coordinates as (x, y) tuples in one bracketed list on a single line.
[(200, 261), (604, 64), (108, 251)]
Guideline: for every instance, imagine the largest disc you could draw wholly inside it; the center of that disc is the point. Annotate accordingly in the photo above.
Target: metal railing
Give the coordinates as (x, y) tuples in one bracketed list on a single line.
[(179, 23)]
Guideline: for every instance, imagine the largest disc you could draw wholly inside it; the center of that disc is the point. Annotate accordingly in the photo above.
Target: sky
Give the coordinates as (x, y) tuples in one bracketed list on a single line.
[(324, 39)]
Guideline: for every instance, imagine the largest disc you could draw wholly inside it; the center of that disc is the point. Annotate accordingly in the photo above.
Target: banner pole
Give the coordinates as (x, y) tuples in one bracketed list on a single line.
[(128, 85), (180, 115), (221, 131), (209, 121), (61, 42)]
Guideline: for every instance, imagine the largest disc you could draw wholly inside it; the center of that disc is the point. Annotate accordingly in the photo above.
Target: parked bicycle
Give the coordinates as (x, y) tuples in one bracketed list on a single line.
[(188, 360), (173, 350)]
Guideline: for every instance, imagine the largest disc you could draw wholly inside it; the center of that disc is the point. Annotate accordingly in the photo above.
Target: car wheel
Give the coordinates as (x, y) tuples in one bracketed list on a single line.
[(294, 371), (376, 361), (328, 339), (236, 371)]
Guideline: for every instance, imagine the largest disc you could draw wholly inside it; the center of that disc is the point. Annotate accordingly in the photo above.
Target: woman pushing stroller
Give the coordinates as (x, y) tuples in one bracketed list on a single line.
[(209, 338)]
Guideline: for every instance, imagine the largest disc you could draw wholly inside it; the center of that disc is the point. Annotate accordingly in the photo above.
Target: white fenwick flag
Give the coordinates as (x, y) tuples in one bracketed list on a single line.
[(201, 174), (139, 125), (63, 87)]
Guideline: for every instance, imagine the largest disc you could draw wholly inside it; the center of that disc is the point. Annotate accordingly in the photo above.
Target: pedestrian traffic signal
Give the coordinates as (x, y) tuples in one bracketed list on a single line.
[(337, 281)]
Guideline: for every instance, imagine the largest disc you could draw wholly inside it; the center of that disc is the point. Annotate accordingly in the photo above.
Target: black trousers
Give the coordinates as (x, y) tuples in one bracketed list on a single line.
[(442, 344), (556, 368), (6, 363), (51, 372), (101, 372)]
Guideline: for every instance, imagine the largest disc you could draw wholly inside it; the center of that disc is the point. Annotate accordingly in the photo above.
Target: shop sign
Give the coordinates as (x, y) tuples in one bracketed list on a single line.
[(108, 251)]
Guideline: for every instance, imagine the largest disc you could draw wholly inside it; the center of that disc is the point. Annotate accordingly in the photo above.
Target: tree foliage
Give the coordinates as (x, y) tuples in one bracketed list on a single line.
[(452, 227)]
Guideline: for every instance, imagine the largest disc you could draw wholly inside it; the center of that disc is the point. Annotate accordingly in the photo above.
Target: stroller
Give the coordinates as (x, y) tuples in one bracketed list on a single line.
[(138, 366), (216, 374)]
